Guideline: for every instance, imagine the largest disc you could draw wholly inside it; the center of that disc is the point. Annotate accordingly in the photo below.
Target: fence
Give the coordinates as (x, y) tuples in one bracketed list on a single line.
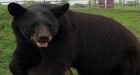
[(106, 3), (84, 3)]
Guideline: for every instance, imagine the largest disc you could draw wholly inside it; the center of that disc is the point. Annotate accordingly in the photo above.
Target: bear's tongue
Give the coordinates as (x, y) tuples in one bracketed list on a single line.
[(41, 45)]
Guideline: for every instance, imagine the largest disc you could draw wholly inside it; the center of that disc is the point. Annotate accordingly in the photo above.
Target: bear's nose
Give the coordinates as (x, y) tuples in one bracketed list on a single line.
[(43, 39)]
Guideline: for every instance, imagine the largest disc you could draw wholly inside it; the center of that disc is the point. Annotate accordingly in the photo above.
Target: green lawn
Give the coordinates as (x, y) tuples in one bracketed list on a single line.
[(6, 40), (128, 17)]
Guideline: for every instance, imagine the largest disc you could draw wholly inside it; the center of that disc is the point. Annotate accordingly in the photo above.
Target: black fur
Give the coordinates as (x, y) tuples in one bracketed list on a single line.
[(93, 44)]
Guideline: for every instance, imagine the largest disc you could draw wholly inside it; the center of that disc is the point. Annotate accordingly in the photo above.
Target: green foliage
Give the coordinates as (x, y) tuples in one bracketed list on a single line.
[(128, 17)]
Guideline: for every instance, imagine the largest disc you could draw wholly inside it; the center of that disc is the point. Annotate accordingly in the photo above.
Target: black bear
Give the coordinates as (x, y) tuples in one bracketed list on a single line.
[(57, 38), (37, 70)]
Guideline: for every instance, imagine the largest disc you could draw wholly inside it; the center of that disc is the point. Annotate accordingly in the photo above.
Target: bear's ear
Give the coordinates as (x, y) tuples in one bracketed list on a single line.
[(16, 10), (59, 11)]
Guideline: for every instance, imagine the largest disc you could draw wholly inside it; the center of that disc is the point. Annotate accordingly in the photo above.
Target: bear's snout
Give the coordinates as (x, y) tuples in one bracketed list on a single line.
[(42, 36), (43, 39)]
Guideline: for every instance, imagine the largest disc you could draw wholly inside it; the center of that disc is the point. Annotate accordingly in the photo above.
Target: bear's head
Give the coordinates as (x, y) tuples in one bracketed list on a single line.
[(39, 23)]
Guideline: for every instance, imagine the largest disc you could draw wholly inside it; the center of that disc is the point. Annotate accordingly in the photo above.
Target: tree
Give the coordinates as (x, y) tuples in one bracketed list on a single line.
[(90, 4), (64, 1), (120, 1), (137, 1), (123, 1), (95, 2)]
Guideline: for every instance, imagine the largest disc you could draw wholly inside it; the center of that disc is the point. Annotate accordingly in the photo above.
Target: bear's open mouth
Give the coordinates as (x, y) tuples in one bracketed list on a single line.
[(41, 42), (42, 45)]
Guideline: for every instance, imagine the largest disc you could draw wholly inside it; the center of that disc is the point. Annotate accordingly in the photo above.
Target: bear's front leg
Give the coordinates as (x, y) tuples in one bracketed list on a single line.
[(18, 66), (38, 70), (22, 60), (52, 67)]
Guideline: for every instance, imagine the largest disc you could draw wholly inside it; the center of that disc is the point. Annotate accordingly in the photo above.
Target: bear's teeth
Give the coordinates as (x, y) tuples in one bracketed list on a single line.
[(42, 44)]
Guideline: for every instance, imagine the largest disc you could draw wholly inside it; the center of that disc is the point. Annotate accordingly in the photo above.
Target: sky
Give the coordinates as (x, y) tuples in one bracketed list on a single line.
[(70, 1), (46, 0), (41, 0)]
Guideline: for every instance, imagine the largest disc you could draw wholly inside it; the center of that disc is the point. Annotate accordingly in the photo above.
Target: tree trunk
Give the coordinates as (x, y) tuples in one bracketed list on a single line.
[(64, 1), (90, 4)]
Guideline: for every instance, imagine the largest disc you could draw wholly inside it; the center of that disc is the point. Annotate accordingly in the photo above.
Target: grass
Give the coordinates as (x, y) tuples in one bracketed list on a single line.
[(128, 17), (6, 41)]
